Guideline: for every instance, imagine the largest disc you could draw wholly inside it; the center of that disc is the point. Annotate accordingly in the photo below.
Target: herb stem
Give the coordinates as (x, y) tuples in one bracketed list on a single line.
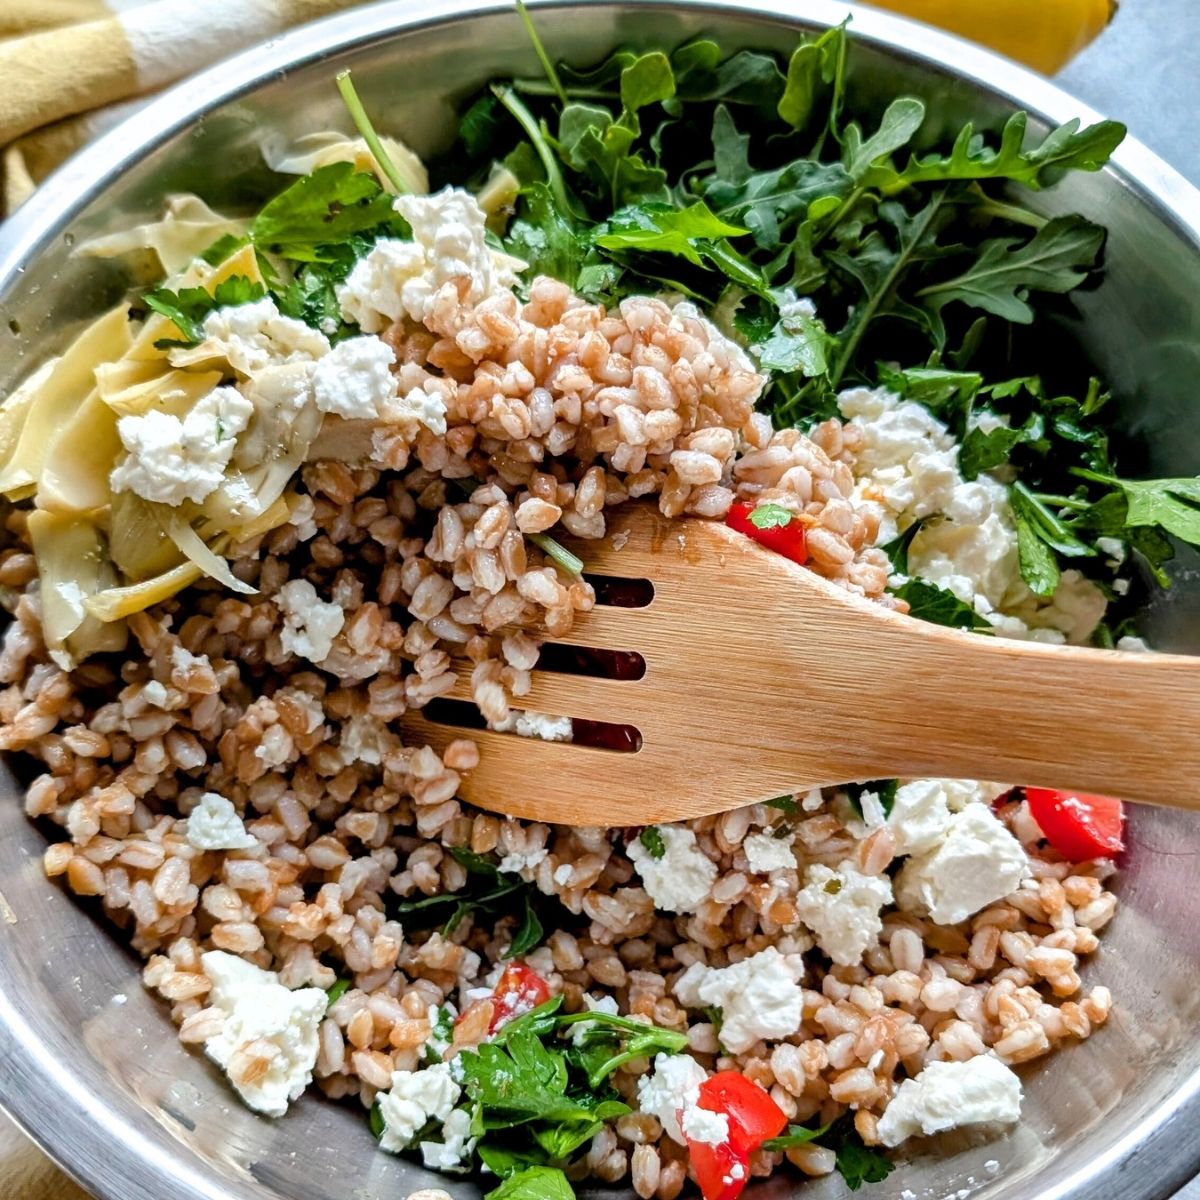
[(1071, 502), (362, 123), (528, 122), (569, 562), (540, 51)]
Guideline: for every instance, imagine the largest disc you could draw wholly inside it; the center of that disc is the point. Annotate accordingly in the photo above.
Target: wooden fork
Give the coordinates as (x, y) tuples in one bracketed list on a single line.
[(764, 679)]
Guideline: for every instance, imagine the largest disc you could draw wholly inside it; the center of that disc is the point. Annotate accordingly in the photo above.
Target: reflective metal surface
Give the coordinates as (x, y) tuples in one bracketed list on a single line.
[(106, 1088)]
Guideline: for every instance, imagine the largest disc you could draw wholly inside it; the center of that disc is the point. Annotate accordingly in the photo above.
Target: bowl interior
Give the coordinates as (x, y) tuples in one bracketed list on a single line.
[(92, 1066)]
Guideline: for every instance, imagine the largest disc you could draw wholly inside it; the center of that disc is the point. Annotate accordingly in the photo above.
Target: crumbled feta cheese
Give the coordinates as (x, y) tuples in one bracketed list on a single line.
[(415, 1098), (975, 562), (418, 406), (257, 1008), (516, 864), (215, 825), (672, 1091), (457, 1143), (302, 518), (682, 879), (253, 336), (946, 1095), (841, 906), (922, 809), (310, 625), (366, 739), (1135, 645), (275, 746), (527, 723), (155, 693), (975, 863), (1074, 611), (766, 853), (171, 459), (563, 874), (1113, 547), (354, 380), (447, 260), (759, 997)]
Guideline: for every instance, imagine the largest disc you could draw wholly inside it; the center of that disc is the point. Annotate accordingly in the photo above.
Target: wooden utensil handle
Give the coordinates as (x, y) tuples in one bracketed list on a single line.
[(1117, 723)]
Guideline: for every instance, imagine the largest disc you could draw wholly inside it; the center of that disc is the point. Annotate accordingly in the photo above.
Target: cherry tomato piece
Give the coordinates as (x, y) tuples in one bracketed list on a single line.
[(753, 1115), (787, 539), (518, 990), (1080, 826), (721, 1171)]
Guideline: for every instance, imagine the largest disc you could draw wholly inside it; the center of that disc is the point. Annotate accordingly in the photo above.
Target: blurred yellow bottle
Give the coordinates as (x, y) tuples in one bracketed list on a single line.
[(1045, 34)]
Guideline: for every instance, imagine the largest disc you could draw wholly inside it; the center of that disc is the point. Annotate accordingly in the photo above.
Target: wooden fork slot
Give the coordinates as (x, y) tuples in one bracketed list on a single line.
[(619, 591), (458, 717), (585, 696), (591, 660)]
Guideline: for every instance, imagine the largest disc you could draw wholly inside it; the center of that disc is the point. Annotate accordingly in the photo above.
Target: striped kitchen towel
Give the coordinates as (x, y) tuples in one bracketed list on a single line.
[(72, 68)]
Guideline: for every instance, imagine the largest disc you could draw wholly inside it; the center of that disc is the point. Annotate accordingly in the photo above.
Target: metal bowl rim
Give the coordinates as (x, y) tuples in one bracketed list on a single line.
[(74, 1120)]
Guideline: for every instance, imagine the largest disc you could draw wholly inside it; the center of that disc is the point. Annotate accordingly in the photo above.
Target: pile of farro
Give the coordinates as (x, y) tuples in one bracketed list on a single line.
[(352, 459)]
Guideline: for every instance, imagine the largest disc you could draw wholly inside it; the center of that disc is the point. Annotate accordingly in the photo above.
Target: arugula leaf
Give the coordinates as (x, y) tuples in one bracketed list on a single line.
[(608, 1041), (884, 789), (318, 209), (899, 123), (771, 516), (939, 390), (534, 1183), (652, 838), (1066, 148), (1170, 504), (658, 227), (985, 450), (814, 68), (897, 548), (529, 933), (375, 1121), (857, 1163), (1056, 259), (748, 77), (785, 804), (188, 307), (797, 1135), (929, 602), (505, 1161), (222, 248), (544, 237), (797, 343), (337, 991)]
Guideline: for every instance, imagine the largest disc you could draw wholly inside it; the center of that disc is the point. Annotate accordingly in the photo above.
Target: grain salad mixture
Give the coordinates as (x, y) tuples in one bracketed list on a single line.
[(260, 512)]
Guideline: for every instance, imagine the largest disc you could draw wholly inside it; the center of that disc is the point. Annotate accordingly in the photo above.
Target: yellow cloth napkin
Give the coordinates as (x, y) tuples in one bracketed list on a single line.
[(71, 67)]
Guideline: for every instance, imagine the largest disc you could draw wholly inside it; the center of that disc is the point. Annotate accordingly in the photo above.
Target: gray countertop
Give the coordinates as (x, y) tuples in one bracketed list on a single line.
[(1145, 71)]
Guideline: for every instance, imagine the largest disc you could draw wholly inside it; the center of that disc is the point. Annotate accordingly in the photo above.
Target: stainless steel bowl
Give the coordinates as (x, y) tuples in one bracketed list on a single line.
[(103, 1084)]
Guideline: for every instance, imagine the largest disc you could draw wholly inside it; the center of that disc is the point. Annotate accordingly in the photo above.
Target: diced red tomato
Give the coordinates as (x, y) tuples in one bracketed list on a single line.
[(722, 1171), (518, 990), (788, 540), (1079, 825)]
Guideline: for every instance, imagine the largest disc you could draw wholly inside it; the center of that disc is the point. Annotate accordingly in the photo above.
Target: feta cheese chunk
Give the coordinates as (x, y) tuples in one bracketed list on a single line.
[(529, 724), (672, 1093), (682, 878), (448, 263), (766, 853), (171, 459), (309, 624), (841, 906), (366, 739), (451, 1152), (922, 809), (948, 1094), (354, 380), (252, 336), (759, 997), (518, 863), (975, 863), (257, 1008), (214, 825), (414, 1099)]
